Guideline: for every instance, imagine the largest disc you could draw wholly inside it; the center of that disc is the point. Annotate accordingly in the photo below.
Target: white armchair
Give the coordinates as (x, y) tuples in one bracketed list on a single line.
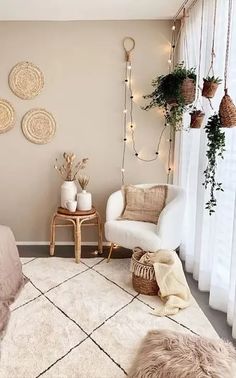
[(166, 234)]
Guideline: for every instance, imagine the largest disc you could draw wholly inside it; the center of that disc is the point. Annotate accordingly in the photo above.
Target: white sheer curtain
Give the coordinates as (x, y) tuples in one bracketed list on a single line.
[(209, 245)]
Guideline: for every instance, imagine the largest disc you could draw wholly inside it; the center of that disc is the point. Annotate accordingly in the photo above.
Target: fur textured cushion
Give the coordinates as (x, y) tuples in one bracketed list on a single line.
[(168, 354)]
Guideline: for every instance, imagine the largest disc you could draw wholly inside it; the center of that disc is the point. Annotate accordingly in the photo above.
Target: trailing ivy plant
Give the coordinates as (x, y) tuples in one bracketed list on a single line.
[(167, 94), (216, 148)]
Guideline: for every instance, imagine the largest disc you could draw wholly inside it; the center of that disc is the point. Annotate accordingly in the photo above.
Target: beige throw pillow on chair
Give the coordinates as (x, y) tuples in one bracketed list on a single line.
[(144, 204)]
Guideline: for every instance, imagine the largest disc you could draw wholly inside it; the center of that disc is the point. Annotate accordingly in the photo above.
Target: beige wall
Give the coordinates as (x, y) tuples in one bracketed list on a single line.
[(83, 64)]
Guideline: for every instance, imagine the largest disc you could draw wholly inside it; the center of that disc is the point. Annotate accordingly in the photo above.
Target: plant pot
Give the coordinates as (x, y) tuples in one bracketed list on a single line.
[(188, 90), (84, 201), (68, 192), (209, 88), (197, 118), (172, 101), (227, 111)]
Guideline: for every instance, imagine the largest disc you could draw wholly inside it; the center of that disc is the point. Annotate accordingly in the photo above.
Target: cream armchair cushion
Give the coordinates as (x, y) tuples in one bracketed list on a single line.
[(166, 234)]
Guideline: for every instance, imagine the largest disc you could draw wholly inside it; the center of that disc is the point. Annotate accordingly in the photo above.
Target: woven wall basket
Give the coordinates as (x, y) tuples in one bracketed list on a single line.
[(143, 277), (38, 126), (227, 111), (7, 116), (26, 80)]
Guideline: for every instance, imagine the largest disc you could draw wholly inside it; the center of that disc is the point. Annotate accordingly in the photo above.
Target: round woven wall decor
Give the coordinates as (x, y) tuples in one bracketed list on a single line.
[(7, 116), (38, 126), (26, 80)]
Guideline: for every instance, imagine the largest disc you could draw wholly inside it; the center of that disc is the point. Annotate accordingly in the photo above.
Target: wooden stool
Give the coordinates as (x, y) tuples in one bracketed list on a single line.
[(76, 220)]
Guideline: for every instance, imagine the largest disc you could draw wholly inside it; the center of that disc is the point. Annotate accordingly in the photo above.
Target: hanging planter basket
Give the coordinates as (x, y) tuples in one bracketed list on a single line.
[(209, 88), (197, 117), (173, 93), (227, 111), (172, 101), (188, 90)]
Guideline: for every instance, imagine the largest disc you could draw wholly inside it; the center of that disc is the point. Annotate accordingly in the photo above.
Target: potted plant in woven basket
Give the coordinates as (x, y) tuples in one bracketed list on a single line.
[(215, 150), (173, 92), (210, 85), (197, 117)]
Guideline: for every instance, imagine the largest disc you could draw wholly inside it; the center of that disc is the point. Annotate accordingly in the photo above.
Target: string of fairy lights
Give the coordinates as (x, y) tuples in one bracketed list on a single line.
[(128, 111)]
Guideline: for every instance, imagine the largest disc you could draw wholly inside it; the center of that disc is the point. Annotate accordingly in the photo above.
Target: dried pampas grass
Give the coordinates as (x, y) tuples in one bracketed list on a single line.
[(70, 169), (83, 181)]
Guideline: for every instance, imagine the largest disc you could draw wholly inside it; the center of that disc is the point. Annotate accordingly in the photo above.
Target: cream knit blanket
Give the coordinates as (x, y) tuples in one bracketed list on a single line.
[(173, 288)]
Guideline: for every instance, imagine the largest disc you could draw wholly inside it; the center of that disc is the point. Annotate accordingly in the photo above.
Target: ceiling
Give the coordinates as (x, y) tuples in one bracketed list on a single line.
[(88, 9)]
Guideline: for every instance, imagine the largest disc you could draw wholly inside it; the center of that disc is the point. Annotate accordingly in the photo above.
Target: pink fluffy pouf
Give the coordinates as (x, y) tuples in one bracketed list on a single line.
[(168, 354)]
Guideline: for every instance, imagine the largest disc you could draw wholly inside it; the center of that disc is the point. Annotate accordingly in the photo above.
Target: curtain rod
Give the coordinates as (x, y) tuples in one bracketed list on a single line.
[(181, 8)]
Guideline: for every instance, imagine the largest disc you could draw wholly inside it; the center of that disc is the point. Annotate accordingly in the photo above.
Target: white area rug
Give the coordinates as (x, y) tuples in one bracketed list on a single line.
[(83, 321)]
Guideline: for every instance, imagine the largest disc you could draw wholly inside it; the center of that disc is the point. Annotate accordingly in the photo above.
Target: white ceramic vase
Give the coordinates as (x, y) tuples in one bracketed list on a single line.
[(84, 201), (68, 192)]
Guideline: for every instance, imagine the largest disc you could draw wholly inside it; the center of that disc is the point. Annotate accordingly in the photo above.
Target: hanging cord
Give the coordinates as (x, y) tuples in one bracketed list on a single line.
[(213, 55), (185, 41), (199, 89), (227, 45), (211, 68), (200, 51), (179, 34), (128, 51)]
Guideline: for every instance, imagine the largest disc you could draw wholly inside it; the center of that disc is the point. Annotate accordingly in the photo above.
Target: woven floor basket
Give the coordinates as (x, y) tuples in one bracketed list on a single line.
[(209, 89), (188, 90), (227, 111), (197, 119), (143, 278)]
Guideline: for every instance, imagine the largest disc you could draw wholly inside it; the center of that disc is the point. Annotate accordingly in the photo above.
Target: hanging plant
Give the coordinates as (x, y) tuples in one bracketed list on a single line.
[(227, 111), (216, 148), (210, 85), (197, 117), (173, 92)]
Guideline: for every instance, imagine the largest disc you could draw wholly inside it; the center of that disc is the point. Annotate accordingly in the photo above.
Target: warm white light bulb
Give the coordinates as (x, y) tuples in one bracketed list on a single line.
[(125, 111), (169, 61), (129, 66), (173, 27), (122, 169)]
